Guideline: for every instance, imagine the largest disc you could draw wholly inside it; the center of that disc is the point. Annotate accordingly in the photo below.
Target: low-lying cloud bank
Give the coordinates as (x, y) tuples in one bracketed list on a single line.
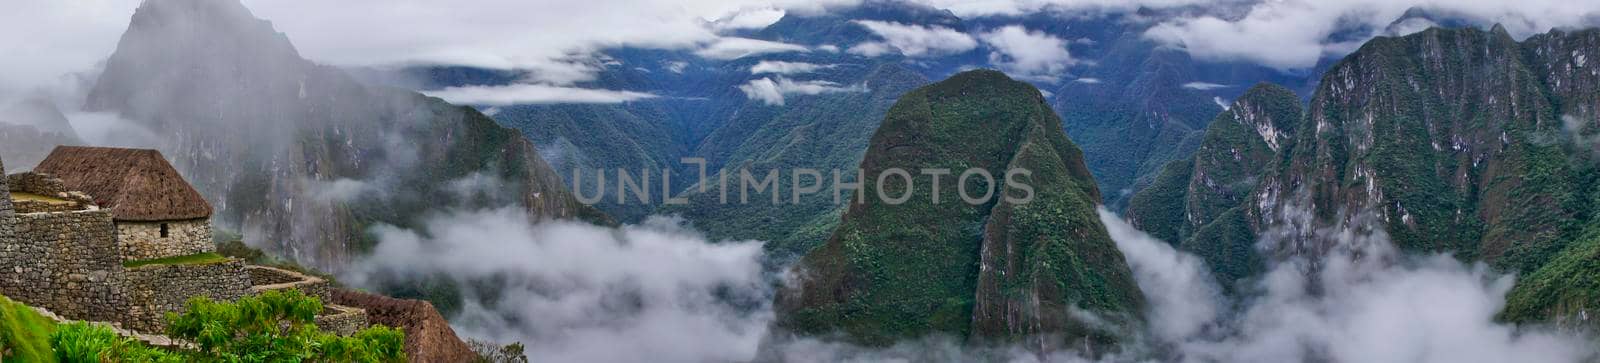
[(580, 293), (771, 90), (532, 94), (659, 291), (1361, 301)]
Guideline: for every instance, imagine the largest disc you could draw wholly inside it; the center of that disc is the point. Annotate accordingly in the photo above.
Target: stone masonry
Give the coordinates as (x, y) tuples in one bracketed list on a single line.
[(5, 209), (155, 290), (143, 240), (67, 262)]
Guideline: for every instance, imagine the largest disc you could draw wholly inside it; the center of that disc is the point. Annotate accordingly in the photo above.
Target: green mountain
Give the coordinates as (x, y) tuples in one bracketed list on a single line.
[(1458, 141), (1001, 270), (824, 132), (1198, 203), (302, 157)]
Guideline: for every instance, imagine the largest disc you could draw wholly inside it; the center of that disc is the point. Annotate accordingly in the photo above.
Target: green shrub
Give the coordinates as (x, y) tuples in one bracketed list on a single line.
[(277, 327)]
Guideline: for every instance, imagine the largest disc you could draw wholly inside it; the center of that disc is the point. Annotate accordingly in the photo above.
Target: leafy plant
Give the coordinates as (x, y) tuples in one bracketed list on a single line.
[(89, 343), (277, 327)]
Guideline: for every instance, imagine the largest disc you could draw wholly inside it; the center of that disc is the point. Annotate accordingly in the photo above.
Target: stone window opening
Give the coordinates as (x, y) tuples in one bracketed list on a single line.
[(163, 230)]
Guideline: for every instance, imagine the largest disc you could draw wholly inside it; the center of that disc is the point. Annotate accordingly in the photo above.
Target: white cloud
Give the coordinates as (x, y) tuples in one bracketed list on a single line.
[(1410, 26), (1204, 86), (676, 67), (734, 48), (110, 129), (1087, 80), (781, 67), (338, 190), (771, 90), (969, 8), (1293, 34), (572, 292), (1028, 54), (870, 49), (1220, 103), (61, 37), (748, 19), (913, 40), (1363, 302), (46, 40), (532, 94)]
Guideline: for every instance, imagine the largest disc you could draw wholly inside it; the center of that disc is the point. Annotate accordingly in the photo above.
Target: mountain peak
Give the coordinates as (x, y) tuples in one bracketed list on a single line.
[(1499, 29), (188, 23)]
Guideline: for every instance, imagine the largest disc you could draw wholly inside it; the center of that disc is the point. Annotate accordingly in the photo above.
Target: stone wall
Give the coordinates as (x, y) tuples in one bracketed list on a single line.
[(48, 186), (342, 320), (143, 241), (155, 290), (36, 183), (39, 206), (5, 209), (66, 262)]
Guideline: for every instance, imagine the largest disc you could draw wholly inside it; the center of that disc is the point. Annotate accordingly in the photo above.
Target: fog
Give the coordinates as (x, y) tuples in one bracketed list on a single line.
[(660, 291), (1359, 301), (656, 291)]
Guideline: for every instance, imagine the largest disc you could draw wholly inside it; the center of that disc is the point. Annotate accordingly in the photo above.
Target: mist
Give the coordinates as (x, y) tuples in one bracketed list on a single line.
[(661, 291), (1361, 300), (656, 291)]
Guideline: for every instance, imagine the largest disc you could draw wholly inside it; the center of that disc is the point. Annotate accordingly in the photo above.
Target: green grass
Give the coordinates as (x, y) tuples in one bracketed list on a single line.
[(24, 334), (199, 258)]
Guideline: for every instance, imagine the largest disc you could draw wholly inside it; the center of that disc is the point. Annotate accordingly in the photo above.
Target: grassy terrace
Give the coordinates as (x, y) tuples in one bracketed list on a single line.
[(36, 198), (24, 334), (199, 258)]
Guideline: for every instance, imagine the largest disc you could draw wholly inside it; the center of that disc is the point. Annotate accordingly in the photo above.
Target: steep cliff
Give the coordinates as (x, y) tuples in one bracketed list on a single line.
[(1198, 203), (1001, 270)]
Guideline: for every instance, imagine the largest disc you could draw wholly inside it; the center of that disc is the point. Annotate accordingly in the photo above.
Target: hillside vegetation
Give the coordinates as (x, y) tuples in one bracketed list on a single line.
[(1460, 141)]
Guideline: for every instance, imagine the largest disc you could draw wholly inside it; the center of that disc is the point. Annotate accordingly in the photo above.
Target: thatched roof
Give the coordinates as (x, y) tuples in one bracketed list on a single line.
[(136, 184)]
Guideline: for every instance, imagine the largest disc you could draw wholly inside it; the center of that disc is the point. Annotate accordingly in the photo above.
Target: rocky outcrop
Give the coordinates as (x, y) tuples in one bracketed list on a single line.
[(429, 337), (997, 270)]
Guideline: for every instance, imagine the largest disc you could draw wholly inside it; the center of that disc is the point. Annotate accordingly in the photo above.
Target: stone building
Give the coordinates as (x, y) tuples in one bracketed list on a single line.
[(157, 213), (89, 256)]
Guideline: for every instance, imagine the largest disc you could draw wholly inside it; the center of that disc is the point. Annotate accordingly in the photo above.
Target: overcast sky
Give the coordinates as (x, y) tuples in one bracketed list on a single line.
[(553, 39)]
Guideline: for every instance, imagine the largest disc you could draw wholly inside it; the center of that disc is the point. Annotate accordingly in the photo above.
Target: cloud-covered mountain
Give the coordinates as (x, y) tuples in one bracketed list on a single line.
[(30, 128), (303, 157), (1481, 154)]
